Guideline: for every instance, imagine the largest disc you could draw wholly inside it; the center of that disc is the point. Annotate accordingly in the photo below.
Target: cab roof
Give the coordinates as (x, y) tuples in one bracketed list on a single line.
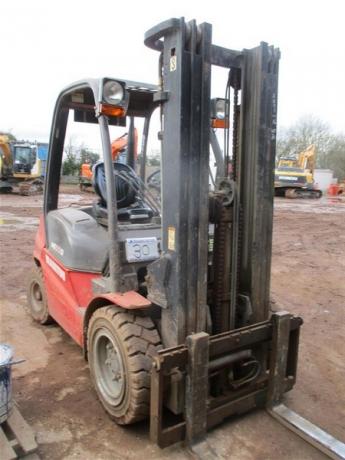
[(84, 95)]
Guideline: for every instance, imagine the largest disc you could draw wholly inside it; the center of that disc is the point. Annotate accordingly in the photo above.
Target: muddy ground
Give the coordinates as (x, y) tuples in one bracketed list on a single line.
[(53, 389)]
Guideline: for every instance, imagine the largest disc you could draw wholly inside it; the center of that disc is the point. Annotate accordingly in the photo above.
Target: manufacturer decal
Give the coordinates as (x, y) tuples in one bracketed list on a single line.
[(57, 248), (54, 266)]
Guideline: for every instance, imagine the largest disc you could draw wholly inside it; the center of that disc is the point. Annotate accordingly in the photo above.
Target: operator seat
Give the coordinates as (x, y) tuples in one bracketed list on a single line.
[(130, 207)]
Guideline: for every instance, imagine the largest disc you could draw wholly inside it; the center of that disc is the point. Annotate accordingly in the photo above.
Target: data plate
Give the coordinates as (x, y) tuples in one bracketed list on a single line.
[(141, 249)]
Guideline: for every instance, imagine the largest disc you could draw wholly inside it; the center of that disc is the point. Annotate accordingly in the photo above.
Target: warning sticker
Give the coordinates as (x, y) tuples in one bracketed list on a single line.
[(171, 238), (54, 266), (173, 63), (57, 248)]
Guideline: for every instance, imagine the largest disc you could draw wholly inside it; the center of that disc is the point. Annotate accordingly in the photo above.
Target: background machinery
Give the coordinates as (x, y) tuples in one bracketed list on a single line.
[(172, 308), (6, 164), (294, 175), (119, 149), (85, 176), (22, 164)]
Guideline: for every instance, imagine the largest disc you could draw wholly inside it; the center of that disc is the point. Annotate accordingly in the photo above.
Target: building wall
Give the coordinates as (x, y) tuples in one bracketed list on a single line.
[(323, 178)]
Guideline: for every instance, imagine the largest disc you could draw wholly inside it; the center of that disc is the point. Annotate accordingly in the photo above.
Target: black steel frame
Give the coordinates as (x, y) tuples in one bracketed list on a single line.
[(178, 281), (185, 160), (141, 104), (265, 390)]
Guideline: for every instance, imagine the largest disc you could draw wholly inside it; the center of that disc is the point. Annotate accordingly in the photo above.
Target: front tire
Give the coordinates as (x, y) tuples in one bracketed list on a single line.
[(37, 297), (121, 346)]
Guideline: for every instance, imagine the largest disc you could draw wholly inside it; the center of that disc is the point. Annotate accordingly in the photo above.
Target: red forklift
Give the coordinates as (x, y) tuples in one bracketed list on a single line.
[(171, 306)]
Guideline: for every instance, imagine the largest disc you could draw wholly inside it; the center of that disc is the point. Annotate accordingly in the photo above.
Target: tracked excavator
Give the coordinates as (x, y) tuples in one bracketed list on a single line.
[(6, 165), (294, 175), (22, 165)]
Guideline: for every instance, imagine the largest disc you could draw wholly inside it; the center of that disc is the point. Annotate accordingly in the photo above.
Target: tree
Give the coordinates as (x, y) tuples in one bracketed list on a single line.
[(334, 158), (11, 137), (87, 156), (330, 147), (307, 130), (70, 166), (154, 161), (154, 158), (75, 156)]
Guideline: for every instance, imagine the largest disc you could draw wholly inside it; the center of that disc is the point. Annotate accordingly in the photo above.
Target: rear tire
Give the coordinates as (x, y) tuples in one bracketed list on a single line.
[(121, 346), (37, 297)]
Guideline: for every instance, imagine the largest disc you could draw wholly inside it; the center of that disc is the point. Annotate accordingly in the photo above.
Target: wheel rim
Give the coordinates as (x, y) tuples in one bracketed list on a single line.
[(36, 297), (109, 367)]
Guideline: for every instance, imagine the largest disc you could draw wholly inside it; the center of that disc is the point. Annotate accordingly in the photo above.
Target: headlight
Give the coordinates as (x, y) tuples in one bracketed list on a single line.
[(220, 109), (113, 98), (219, 113), (113, 92)]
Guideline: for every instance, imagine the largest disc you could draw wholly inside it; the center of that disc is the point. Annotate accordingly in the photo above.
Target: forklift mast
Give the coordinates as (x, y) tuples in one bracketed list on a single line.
[(224, 354), (178, 280)]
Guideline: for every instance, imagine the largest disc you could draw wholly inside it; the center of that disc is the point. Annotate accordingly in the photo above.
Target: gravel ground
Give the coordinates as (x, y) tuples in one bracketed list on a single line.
[(53, 389)]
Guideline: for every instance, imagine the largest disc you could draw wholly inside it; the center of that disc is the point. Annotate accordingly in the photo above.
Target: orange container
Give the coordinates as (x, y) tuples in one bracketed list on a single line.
[(333, 189)]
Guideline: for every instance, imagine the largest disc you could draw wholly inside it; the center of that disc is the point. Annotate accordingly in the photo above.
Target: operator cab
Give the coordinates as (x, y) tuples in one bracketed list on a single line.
[(24, 158), (79, 236), (126, 215)]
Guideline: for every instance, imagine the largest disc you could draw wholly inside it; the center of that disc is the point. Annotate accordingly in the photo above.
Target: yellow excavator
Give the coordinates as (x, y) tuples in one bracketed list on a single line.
[(294, 175), (22, 164), (6, 164)]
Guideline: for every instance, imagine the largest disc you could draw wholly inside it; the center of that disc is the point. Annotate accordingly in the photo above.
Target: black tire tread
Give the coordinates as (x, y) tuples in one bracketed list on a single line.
[(36, 273), (141, 340)]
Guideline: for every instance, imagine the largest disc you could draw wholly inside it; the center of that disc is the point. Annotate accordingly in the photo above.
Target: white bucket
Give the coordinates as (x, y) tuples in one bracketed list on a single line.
[(6, 355)]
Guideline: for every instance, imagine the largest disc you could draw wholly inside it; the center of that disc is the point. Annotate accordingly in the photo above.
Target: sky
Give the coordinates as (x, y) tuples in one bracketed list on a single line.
[(47, 44)]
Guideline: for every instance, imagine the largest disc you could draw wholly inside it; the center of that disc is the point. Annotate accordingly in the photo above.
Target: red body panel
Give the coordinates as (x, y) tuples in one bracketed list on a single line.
[(129, 300), (69, 292), (40, 240)]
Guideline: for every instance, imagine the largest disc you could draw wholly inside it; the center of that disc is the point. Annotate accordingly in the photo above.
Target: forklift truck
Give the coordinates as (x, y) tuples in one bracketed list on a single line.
[(172, 307)]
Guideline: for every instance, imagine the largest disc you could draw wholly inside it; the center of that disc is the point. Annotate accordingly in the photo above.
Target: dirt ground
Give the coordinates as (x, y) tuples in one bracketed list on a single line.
[(53, 389)]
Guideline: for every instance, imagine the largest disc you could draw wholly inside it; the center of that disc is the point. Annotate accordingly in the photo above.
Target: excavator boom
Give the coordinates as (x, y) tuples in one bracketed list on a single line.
[(6, 165), (119, 144), (6, 157)]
